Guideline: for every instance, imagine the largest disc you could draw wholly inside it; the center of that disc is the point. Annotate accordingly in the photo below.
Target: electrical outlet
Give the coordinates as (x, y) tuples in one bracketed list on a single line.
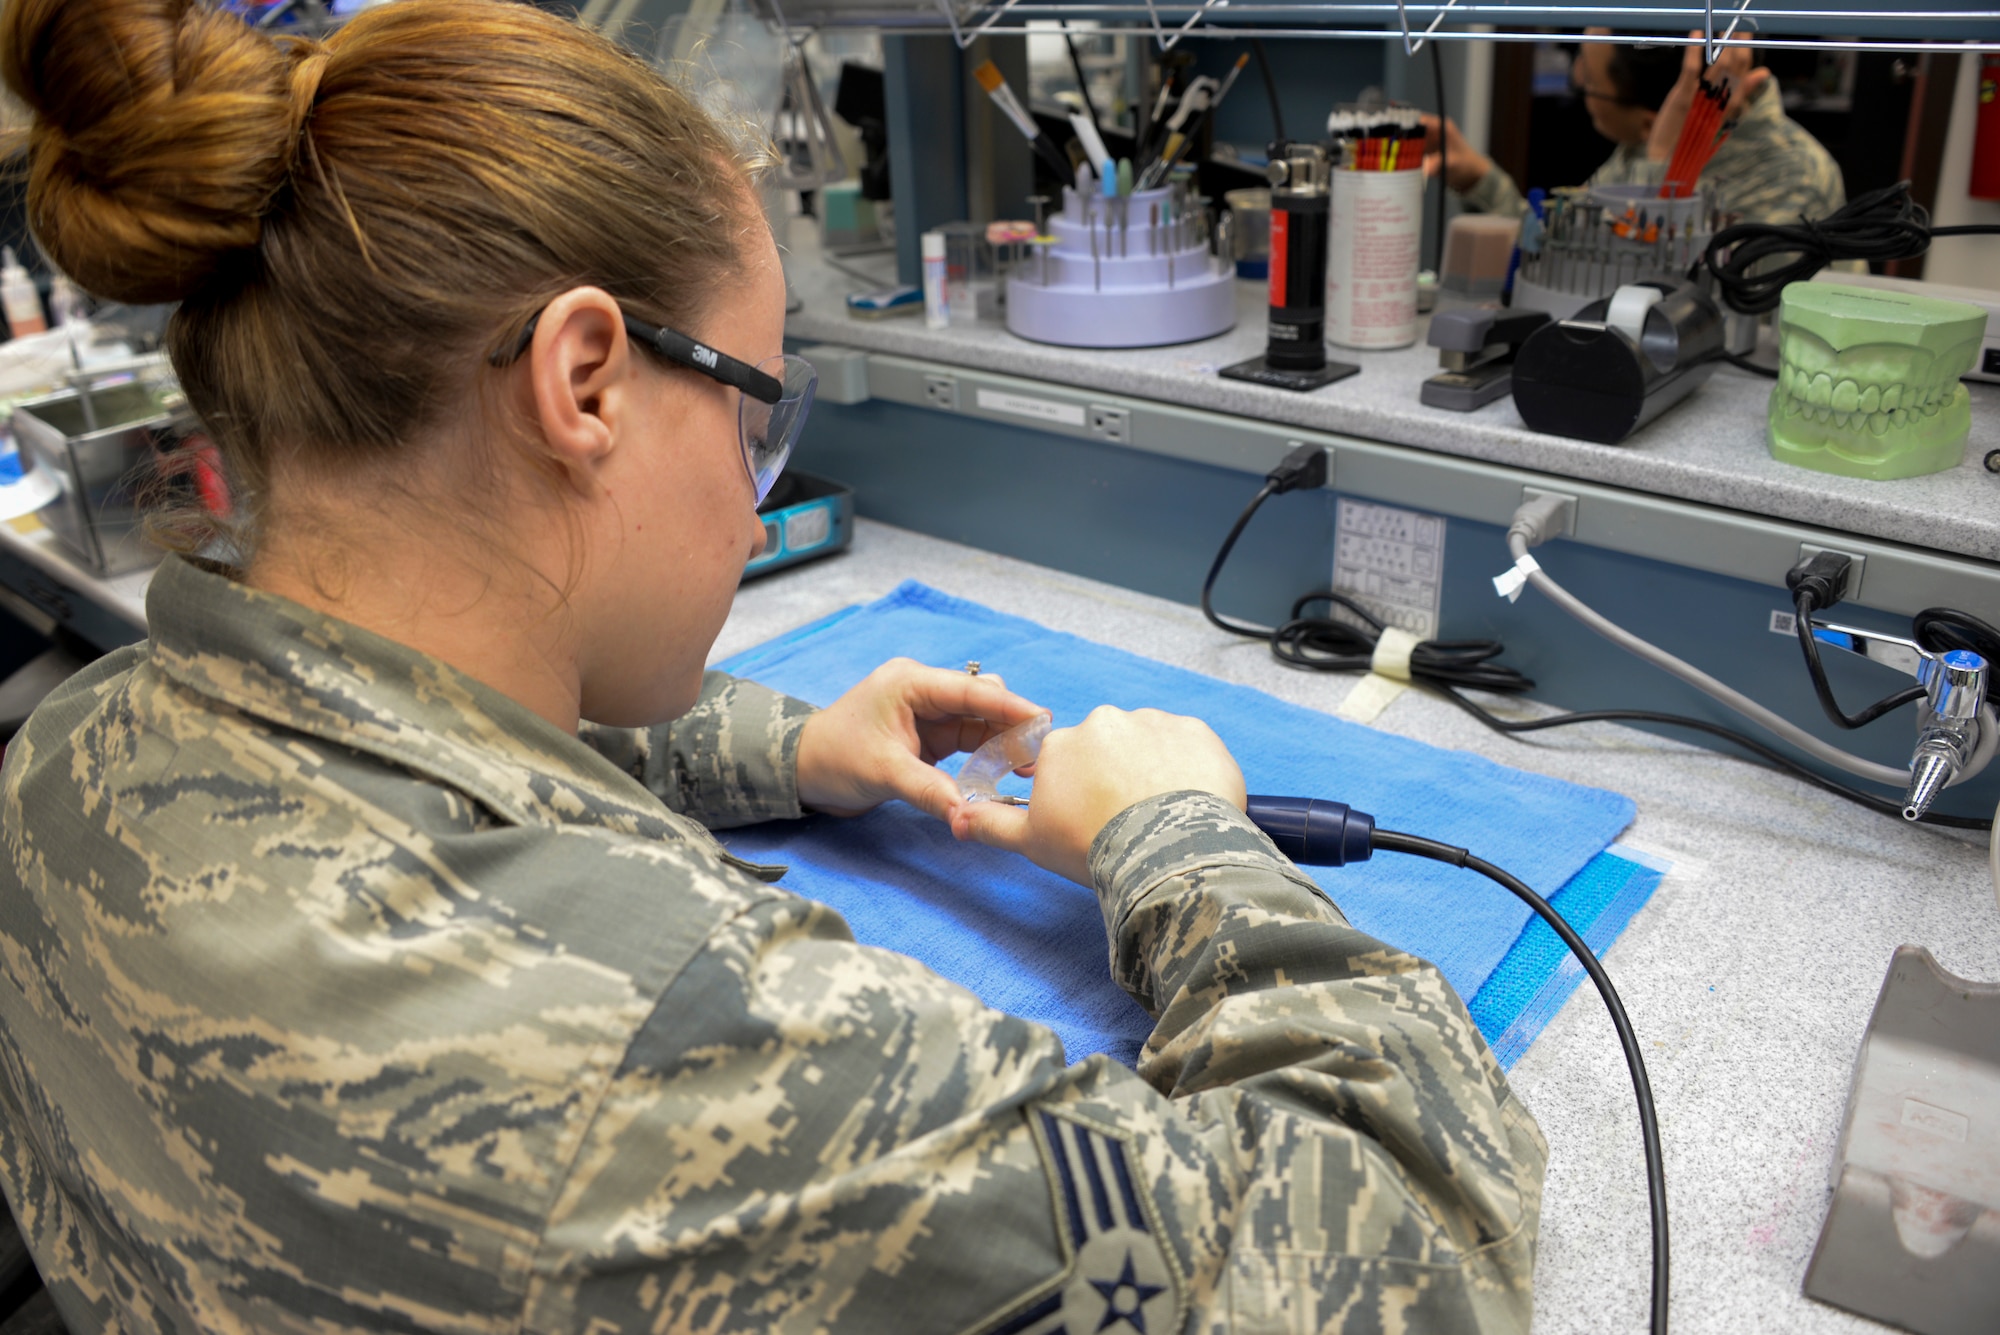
[(1112, 424), (941, 391)]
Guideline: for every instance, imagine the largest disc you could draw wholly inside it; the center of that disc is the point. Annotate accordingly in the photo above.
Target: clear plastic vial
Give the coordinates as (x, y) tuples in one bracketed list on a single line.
[(937, 292)]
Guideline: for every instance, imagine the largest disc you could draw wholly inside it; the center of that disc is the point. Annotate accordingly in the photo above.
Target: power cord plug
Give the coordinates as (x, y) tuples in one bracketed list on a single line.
[(1822, 577), (1817, 583), (1304, 467), (1540, 518)]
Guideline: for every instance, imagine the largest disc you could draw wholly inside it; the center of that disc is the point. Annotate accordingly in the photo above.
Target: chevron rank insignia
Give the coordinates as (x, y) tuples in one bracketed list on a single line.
[(1120, 1280)]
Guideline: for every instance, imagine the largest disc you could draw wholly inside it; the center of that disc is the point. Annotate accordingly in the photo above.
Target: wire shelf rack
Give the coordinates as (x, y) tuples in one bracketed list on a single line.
[(1169, 22)]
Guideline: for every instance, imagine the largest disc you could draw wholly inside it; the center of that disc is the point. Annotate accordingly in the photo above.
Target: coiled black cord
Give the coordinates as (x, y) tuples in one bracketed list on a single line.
[(1748, 260), (1326, 645), (1942, 629), (1649, 1122)]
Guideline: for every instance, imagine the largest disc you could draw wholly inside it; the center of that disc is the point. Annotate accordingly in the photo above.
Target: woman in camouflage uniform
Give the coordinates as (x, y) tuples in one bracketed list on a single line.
[(352, 981)]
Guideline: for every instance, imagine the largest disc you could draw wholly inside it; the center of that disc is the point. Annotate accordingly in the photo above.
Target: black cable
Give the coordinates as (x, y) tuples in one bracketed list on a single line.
[(1649, 1122), (1804, 605), (1327, 645), (1941, 629), (1270, 89), (1743, 363), (1082, 84), (1774, 758), (1884, 224), (1444, 155), (1229, 545)]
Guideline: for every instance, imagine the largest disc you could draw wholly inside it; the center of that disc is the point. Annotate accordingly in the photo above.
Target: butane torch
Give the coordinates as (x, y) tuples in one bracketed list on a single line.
[(1295, 344)]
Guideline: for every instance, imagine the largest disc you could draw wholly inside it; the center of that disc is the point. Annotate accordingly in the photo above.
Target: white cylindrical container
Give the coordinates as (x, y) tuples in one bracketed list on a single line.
[(1371, 273), (937, 289)]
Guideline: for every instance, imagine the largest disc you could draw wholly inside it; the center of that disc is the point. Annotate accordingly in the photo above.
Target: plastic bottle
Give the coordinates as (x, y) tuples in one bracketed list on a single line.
[(19, 298), (937, 308), (66, 303)]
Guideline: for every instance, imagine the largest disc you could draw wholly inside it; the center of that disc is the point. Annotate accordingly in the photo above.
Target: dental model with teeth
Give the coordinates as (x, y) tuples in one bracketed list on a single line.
[(1868, 381)]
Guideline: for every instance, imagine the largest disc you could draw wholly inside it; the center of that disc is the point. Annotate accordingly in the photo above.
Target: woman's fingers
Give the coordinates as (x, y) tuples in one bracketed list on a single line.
[(935, 693), (994, 824), (925, 787)]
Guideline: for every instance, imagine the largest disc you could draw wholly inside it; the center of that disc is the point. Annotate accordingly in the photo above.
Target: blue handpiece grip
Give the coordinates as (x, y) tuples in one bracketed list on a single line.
[(1312, 832)]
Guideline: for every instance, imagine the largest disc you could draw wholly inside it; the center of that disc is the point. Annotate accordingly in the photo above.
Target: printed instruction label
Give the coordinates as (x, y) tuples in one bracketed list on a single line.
[(1391, 562), (1020, 405)]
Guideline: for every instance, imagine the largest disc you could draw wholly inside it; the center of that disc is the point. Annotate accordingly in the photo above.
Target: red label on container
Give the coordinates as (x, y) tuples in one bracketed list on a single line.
[(1281, 222)]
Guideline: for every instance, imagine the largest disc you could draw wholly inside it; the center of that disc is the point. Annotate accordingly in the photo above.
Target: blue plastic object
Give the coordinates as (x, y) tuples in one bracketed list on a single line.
[(1313, 832)]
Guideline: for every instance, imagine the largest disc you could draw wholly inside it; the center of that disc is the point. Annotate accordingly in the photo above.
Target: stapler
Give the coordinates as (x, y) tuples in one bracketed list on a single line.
[(1476, 347)]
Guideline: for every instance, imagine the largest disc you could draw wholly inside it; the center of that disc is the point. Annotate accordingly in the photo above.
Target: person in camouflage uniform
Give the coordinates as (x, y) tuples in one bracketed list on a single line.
[(1769, 170), (353, 982)]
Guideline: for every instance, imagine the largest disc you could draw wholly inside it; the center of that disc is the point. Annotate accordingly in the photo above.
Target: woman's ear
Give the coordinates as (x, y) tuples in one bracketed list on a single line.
[(577, 369)]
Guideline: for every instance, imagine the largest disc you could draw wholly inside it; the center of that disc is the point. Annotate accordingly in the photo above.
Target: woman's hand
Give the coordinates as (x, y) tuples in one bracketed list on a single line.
[(1090, 773), (1731, 66), (1468, 165), (883, 738)]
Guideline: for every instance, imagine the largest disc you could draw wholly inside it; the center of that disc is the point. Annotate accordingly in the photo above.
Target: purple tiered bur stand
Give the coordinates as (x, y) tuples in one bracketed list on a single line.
[(1150, 280)]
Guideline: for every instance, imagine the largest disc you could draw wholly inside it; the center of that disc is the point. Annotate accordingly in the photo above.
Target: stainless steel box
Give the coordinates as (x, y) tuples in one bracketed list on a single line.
[(101, 440)]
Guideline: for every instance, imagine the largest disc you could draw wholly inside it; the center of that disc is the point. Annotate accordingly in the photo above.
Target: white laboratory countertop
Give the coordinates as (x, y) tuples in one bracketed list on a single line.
[(1709, 448), (124, 596), (1749, 976)]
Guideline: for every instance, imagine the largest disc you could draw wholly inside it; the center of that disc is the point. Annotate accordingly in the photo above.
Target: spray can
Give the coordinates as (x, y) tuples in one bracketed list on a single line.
[(19, 298), (1296, 340)]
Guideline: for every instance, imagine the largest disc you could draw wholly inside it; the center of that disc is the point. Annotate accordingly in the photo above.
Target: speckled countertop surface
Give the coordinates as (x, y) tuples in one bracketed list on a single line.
[(1709, 448), (1749, 976)]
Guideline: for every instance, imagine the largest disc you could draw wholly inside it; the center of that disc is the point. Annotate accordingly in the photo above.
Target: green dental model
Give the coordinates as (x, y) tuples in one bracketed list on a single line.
[(1868, 381)]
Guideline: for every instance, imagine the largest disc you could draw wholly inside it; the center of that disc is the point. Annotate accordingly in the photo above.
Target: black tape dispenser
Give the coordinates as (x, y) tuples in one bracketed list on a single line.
[(1619, 362)]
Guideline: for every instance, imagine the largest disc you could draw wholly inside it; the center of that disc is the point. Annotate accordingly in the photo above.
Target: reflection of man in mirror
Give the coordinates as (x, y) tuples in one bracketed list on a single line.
[(1768, 170)]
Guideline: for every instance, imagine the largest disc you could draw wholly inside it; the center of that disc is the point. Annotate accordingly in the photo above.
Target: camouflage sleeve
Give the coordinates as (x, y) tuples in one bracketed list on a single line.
[(813, 1135), (1495, 193), (731, 760), (1781, 177)]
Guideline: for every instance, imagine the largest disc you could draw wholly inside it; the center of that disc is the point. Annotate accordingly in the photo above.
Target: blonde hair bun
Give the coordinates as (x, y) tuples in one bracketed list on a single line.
[(163, 131)]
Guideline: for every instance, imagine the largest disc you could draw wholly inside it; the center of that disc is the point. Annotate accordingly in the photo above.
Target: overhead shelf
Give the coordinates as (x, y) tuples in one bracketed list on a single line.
[(1852, 24)]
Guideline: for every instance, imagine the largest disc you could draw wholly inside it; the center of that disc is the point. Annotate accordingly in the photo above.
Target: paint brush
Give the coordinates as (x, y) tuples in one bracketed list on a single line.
[(995, 84)]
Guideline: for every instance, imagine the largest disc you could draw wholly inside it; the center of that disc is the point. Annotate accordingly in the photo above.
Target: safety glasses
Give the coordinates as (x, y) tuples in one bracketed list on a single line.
[(777, 392)]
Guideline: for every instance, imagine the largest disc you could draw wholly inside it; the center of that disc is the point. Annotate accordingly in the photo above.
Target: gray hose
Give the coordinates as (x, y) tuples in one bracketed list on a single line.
[(1517, 543)]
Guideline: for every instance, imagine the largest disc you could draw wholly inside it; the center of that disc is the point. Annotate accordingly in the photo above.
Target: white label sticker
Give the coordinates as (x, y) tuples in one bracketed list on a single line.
[(1391, 562), (1020, 405), (808, 528), (1784, 623)]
